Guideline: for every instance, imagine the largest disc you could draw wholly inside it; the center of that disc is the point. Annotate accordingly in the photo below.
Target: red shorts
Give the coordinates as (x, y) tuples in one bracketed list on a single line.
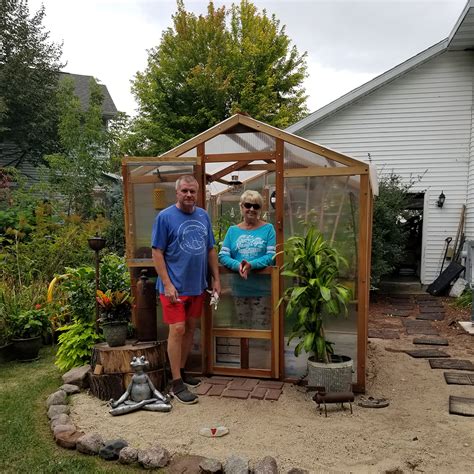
[(188, 307)]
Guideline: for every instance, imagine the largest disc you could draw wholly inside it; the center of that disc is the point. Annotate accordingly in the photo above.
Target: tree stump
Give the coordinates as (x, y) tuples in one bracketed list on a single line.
[(111, 372)]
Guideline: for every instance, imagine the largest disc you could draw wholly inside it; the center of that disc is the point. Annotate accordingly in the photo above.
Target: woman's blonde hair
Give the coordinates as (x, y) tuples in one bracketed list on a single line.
[(252, 196)]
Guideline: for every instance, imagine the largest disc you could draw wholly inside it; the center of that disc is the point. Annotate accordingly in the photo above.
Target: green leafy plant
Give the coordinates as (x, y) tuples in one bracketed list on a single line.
[(75, 344), (114, 274), (30, 323), (115, 306), (314, 267), (465, 300)]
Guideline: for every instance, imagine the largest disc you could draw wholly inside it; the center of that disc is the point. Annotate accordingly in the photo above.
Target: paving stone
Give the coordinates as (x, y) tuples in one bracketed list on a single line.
[(273, 394), (414, 323), (463, 406), (426, 331), (250, 384), (430, 316), (218, 381), (402, 313), (203, 389), (455, 378), (259, 393), (432, 341), (216, 390), (384, 334), (270, 384), (425, 353), (221, 377), (241, 394), (237, 383), (404, 307), (429, 309), (459, 364)]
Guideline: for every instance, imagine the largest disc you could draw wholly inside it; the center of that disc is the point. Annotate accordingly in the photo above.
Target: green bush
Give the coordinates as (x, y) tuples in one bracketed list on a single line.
[(465, 300)]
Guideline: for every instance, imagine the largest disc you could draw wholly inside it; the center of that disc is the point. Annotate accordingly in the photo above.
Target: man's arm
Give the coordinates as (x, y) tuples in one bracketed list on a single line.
[(160, 267), (214, 266)]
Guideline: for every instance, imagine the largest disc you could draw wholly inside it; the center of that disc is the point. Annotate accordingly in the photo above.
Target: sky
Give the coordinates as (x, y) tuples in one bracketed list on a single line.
[(348, 42)]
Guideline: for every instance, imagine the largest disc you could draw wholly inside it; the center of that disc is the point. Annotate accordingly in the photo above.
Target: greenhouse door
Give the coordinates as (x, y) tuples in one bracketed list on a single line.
[(243, 332)]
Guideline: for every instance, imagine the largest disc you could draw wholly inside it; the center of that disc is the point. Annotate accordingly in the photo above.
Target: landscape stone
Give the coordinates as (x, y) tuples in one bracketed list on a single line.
[(188, 463), (111, 450), (70, 389), (77, 376), (56, 398), (61, 419), (55, 410), (59, 428), (210, 466), (267, 465), (128, 455), (90, 443), (297, 470), (68, 439), (236, 465), (154, 457)]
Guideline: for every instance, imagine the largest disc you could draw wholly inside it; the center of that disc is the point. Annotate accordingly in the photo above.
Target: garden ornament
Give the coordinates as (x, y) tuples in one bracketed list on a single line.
[(141, 393)]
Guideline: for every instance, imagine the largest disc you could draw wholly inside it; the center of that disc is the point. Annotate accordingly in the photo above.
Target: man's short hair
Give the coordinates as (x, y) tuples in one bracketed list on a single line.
[(186, 178)]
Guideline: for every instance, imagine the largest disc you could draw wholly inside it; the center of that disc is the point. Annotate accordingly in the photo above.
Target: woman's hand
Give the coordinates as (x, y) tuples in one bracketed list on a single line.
[(244, 269)]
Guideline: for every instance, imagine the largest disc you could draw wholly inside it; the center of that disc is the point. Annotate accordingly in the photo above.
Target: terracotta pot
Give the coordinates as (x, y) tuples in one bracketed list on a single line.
[(115, 333), (27, 350)]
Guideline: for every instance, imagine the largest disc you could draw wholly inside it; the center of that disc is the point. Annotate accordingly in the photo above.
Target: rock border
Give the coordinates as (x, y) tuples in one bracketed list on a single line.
[(67, 436)]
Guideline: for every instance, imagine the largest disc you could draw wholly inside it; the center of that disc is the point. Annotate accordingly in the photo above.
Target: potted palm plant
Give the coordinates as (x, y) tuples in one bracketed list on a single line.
[(316, 292), (115, 308), (27, 328)]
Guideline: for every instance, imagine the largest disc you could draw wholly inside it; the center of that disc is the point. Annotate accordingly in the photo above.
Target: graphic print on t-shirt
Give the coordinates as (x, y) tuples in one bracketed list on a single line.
[(250, 246), (192, 237)]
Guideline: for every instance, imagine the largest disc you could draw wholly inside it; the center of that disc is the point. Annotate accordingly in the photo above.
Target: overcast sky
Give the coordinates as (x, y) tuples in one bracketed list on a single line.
[(348, 41)]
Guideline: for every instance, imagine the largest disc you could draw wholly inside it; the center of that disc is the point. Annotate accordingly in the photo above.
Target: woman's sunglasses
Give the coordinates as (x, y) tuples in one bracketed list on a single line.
[(250, 205)]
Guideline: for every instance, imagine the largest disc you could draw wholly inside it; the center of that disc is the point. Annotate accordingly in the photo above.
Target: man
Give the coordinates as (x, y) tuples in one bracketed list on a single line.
[(183, 250)]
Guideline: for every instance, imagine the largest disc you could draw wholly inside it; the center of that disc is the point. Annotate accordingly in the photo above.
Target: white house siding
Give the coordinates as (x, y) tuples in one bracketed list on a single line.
[(420, 124), (470, 186)]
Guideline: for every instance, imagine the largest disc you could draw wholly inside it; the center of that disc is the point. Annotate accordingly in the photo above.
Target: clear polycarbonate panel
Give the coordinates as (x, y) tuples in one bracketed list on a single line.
[(260, 354), (190, 153), (244, 304), (331, 205), (297, 157), (227, 351), (240, 143)]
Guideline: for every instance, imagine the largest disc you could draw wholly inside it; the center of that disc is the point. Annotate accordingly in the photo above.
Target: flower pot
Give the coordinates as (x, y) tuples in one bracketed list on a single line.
[(115, 333), (6, 352), (335, 376), (27, 350)]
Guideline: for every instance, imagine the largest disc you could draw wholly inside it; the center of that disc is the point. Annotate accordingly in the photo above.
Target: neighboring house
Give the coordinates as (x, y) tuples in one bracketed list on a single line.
[(81, 86), (416, 119)]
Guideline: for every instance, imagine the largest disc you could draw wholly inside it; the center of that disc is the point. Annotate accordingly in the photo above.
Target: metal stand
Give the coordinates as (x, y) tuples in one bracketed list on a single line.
[(96, 244)]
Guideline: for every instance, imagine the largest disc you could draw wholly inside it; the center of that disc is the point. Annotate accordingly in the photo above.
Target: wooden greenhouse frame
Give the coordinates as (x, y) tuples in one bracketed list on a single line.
[(198, 156)]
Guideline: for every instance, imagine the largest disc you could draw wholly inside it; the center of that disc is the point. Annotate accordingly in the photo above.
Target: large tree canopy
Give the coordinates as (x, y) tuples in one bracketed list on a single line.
[(29, 66), (206, 68)]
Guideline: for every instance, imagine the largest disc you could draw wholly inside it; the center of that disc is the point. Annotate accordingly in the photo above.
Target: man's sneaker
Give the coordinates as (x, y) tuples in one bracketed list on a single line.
[(189, 380), (182, 394)]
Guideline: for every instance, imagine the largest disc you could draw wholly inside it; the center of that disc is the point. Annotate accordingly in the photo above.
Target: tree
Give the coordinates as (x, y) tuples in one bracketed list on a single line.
[(207, 68), (84, 140), (29, 66)]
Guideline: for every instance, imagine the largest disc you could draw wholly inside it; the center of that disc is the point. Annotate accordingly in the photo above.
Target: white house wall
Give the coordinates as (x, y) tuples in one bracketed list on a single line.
[(418, 125)]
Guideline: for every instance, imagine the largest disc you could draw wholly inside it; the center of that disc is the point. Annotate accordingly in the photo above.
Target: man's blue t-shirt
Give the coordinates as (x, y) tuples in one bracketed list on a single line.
[(185, 240)]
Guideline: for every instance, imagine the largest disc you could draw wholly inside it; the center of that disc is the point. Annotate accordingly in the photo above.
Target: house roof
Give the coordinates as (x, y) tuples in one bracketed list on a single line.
[(81, 86), (460, 39)]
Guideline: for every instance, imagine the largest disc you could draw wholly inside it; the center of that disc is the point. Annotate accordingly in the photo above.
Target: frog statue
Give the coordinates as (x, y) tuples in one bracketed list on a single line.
[(141, 393)]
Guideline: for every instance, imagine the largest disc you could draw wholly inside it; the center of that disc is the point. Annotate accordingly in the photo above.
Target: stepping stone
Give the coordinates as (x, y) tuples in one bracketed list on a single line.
[(425, 331), (455, 378), (398, 312), (384, 334), (459, 364), (216, 390), (426, 353), (438, 341), (429, 309), (431, 304), (271, 384), (430, 316), (216, 381), (461, 406), (241, 394), (273, 394), (426, 298), (404, 306), (414, 323)]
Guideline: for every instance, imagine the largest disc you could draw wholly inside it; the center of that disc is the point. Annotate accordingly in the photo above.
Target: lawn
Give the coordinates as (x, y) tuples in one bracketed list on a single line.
[(27, 444)]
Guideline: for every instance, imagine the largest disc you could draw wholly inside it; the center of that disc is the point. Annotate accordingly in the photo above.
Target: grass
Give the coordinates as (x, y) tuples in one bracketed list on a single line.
[(26, 441)]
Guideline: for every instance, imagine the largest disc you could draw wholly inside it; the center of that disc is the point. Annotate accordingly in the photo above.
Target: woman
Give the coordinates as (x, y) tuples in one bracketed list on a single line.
[(249, 246)]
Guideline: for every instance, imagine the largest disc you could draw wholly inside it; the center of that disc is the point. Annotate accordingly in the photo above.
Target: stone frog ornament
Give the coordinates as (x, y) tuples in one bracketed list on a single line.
[(141, 393)]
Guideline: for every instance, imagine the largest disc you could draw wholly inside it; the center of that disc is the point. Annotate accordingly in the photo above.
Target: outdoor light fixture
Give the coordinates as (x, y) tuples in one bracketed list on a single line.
[(235, 184), (441, 199), (96, 244)]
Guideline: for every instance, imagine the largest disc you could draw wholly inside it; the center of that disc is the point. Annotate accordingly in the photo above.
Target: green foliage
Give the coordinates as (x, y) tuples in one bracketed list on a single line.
[(314, 267), (115, 231), (114, 274), (30, 323), (29, 67), (75, 344), (389, 237), (209, 67), (465, 300), (78, 169)]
